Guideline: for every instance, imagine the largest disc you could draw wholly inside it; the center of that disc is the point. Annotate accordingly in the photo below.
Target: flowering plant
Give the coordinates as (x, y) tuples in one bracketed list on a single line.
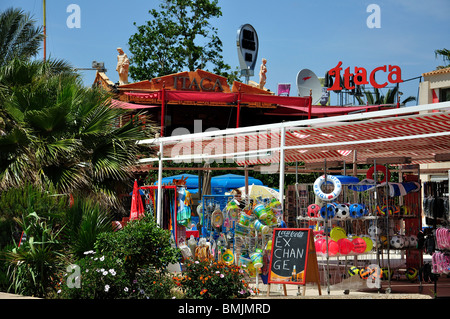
[(102, 276), (207, 279)]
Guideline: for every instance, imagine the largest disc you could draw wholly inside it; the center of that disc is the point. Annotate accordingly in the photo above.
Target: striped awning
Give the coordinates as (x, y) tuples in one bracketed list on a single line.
[(130, 106), (420, 133)]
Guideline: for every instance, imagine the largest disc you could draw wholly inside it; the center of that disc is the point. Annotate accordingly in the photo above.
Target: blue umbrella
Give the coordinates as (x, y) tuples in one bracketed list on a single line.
[(225, 183)]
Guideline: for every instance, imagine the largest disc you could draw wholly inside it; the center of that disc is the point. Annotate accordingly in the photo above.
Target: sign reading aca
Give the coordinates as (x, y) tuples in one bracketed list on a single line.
[(359, 77)]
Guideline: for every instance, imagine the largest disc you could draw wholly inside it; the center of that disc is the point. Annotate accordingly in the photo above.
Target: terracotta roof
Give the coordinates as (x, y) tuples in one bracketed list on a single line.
[(435, 72)]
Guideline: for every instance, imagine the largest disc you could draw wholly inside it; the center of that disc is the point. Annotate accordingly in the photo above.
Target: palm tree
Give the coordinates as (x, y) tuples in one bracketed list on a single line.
[(377, 98), (60, 132), (445, 53), (18, 36)]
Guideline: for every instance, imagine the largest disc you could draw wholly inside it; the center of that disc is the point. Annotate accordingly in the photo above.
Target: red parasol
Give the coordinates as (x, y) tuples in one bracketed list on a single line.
[(137, 208)]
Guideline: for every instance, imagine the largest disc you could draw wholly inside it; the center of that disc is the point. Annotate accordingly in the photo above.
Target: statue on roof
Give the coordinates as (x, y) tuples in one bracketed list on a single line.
[(123, 63), (262, 74)]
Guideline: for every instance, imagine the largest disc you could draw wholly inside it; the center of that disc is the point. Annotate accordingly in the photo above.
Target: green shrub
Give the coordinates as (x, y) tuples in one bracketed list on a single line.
[(208, 279), (103, 276), (83, 222), (34, 265), (129, 264), (141, 243)]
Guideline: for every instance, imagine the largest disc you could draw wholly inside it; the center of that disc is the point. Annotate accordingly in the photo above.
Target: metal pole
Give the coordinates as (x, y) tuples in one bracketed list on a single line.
[(387, 233), (159, 202), (238, 116), (282, 144), (163, 102), (326, 227), (45, 30), (297, 195), (376, 217)]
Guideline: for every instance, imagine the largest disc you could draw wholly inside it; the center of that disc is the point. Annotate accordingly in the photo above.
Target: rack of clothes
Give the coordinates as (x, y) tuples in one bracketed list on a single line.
[(176, 208)]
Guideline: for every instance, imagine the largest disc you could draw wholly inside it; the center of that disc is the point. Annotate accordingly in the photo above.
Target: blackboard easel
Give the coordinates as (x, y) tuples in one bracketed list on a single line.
[(293, 259)]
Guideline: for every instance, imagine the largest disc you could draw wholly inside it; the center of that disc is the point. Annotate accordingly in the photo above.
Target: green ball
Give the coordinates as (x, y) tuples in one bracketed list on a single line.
[(353, 271)]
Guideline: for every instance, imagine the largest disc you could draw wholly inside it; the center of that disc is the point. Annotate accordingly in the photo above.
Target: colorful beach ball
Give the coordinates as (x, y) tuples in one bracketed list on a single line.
[(313, 210), (397, 242), (342, 211), (356, 210), (352, 271), (327, 211), (374, 231), (337, 233), (365, 272), (369, 243), (375, 272), (359, 245), (387, 274), (333, 247), (318, 243), (411, 273), (345, 246)]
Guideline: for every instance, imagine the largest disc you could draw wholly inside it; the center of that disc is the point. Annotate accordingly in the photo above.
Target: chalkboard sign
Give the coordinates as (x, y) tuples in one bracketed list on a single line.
[(292, 249)]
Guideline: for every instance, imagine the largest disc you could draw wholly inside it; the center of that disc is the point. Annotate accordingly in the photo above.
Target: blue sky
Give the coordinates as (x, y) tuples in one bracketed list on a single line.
[(293, 34)]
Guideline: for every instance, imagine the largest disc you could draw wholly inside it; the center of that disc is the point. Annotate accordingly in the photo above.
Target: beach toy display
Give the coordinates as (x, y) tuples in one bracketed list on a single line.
[(275, 206), (245, 219), (359, 245), (356, 210), (228, 256), (341, 244), (345, 246), (342, 211), (327, 196), (232, 209), (327, 211), (241, 230), (233, 229), (260, 227), (333, 247), (313, 210)]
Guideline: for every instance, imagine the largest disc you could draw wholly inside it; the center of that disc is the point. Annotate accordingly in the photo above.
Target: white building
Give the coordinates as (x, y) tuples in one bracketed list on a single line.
[(435, 87)]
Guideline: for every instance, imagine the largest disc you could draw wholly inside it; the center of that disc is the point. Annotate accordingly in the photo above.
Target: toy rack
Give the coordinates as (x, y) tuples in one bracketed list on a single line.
[(389, 221)]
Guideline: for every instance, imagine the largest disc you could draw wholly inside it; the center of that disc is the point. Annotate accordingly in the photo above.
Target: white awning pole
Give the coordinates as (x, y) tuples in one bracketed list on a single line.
[(282, 165), (159, 202)]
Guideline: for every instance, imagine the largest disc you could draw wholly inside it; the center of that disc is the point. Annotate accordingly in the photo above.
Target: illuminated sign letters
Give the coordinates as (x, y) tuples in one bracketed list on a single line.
[(205, 84), (359, 77)]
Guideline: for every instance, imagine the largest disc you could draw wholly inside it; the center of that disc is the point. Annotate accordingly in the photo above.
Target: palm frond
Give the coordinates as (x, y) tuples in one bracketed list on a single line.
[(18, 36)]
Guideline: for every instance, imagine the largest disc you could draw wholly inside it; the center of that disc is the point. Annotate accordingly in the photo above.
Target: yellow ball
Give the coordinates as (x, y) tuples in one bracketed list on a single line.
[(369, 243), (337, 233)]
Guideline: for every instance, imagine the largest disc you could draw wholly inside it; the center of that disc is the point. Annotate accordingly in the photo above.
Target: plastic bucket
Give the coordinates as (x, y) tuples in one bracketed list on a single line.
[(260, 227), (257, 258), (260, 211), (245, 219)]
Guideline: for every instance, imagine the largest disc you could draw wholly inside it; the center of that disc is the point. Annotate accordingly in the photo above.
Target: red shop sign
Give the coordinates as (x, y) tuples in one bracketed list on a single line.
[(359, 77)]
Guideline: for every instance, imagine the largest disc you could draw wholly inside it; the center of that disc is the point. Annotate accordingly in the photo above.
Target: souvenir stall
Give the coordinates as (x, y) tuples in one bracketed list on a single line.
[(382, 216), (365, 230), (237, 228)]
